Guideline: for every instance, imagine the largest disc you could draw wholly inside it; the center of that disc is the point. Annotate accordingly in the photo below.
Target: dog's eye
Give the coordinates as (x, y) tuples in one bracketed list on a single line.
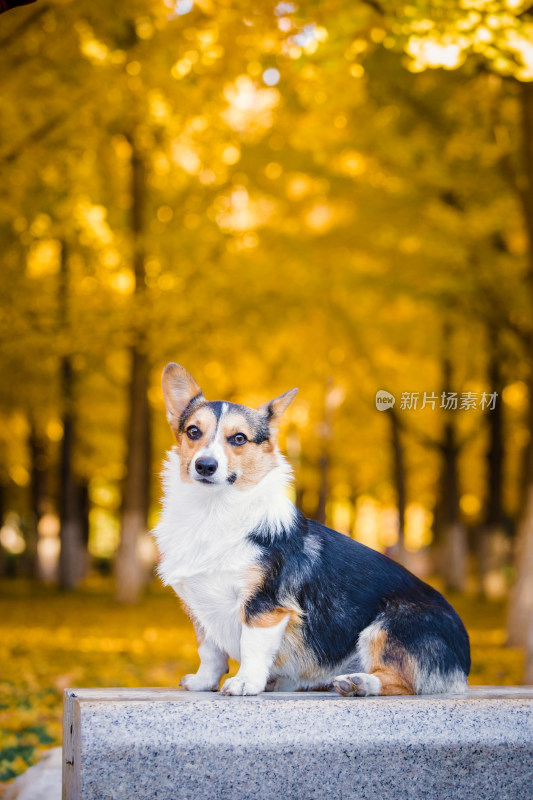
[(238, 439), (193, 432)]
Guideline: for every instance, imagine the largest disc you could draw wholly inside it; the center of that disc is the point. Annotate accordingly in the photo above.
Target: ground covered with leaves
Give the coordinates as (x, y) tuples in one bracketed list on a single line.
[(50, 641)]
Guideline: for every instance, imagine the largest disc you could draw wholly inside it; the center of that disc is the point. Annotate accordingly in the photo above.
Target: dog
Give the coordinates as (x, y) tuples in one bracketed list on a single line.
[(298, 605)]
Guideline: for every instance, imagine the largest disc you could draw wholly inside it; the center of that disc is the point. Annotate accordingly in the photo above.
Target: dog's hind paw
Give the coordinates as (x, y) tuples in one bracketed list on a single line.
[(196, 683), (358, 684)]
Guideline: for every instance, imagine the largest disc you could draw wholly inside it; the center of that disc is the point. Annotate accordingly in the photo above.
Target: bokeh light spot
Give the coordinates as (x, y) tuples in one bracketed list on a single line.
[(271, 76)]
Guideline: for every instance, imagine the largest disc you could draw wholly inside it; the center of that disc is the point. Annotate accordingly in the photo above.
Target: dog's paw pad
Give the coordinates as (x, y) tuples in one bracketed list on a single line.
[(343, 687), (358, 684)]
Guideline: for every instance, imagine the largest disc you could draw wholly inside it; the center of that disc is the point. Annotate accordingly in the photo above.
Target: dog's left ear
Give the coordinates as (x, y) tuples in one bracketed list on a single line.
[(179, 388), (275, 408)]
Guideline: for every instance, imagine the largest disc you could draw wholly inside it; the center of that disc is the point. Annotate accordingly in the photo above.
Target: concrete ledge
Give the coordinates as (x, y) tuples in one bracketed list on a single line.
[(129, 744)]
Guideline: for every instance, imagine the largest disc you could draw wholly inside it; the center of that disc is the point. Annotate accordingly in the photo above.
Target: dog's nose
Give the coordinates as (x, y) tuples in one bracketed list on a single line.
[(206, 467)]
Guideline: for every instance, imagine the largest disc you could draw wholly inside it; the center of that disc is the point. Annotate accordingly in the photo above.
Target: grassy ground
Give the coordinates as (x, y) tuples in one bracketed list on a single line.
[(50, 641)]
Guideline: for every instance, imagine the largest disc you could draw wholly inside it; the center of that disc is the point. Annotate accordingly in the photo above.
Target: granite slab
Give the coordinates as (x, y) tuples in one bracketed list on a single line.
[(126, 744)]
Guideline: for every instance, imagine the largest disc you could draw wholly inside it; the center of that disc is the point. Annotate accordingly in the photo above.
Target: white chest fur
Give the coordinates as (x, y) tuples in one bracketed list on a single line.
[(216, 600), (206, 555)]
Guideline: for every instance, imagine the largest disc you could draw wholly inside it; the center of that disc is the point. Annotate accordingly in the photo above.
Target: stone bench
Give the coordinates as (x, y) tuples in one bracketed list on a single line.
[(139, 744)]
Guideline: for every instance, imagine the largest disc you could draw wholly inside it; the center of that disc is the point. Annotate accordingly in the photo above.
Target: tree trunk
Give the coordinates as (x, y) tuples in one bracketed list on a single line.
[(398, 552), (73, 554), (38, 491), (454, 540), (324, 460), (323, 467), (492, 540), (294, 454), (85, 508), (333, 397), (451, 532), (521, 600), (354, 494), (130, 572)]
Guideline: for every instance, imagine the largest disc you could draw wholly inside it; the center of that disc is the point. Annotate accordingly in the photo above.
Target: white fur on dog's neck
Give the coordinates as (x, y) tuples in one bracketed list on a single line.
[(204, 528)]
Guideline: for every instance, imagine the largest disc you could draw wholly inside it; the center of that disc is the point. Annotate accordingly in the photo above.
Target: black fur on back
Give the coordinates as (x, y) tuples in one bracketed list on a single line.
[(343, 586)]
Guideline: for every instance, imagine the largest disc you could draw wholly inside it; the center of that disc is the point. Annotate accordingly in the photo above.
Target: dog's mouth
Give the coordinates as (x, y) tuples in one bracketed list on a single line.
[(232, 477), (229, 480)]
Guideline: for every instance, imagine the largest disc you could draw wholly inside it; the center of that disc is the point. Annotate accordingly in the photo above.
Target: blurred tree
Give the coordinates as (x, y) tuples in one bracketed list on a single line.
[(129, 569), (400, 482), (521, 602), (73, 557), (40, 492), (491, 553)]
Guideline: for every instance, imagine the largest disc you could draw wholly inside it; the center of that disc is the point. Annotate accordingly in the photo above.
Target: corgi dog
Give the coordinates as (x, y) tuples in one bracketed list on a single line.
[(298, 605)]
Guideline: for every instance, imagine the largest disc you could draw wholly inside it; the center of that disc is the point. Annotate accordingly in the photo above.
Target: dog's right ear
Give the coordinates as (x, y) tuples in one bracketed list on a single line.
[(179, 390)]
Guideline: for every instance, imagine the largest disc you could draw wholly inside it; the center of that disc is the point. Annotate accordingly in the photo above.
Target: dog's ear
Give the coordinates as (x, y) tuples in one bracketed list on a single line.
[(179, 389), (275, 408)]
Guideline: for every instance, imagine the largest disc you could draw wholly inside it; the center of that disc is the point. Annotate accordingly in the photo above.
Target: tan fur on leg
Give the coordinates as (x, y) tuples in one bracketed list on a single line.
[(391, 682), (391, 664)]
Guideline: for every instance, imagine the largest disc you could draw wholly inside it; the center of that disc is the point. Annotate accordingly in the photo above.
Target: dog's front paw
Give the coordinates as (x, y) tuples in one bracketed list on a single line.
[(196, 683), (240, 686), (358, 684)]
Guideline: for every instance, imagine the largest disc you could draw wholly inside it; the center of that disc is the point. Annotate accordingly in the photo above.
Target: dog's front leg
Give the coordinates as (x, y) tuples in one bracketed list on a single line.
[(259, 647), (213, 665)]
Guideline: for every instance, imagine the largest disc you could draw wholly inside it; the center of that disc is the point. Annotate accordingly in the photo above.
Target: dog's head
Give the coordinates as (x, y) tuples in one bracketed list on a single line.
[(221, 443)]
